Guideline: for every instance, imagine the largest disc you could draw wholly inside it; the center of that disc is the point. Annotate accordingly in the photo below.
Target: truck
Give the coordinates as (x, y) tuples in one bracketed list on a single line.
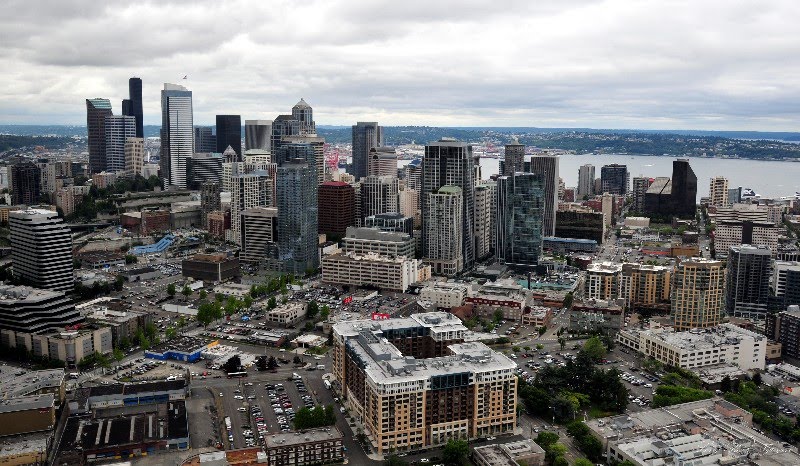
[(327, 384)]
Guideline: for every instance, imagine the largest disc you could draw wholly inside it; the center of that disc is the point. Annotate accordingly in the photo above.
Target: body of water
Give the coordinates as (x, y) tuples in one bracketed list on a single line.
[(769, 179)]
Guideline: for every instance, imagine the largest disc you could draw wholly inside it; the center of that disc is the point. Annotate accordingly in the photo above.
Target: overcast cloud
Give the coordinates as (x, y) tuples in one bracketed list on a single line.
[(703, 64)]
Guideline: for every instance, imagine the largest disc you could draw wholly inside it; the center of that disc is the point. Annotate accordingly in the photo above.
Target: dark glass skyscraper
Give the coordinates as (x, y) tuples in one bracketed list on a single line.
[(614, 179), (257, 134), (297, 216), (520, 216), (96, 112), (136, 111), (684, 189), (366, 136), (25, 183), (229, 133), (747, 281), (204, 139)]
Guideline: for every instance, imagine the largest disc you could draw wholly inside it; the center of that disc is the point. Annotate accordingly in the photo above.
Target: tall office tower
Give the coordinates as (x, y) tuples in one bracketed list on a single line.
[(379, 195), (450, 162), (210, 200), (127, 109), (204, 139), (229, 133), (614, 179), (442, 226), (485, 208), (41, 249), (640, 186), (248, 190), (585, 181), (786, 282), (118, 129), (366, 136), (718, 191), (390, 222), (25, 183), (514, 160), (413, 172), (684, 189), (735, 195), (96, 112), (204, 168), (382, 162), (336, 209), (547, 167), (134, 156), (303, 113), (229, 155), (135, 97), (698, 294), (257, 134), (282, 126), (177, 134), (237, 168), (747, 281), (297, 217), (309, 147), (259, 234), (521, 210)]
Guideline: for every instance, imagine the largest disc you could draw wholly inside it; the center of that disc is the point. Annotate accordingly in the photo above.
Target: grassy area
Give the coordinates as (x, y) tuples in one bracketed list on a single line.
[(596, 413), (318, 350)]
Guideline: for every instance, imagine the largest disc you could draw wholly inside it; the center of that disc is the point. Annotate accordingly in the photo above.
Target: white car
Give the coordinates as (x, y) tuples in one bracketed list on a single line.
[(238, 397)]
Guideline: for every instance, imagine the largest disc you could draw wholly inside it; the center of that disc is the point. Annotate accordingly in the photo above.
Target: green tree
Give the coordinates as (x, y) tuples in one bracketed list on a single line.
[(312, 309), (247, 301), (568, 298), (272, 304), (582, 462), (562, 342), (394, 460), (118, 354), (171, 290), (594, 349), (667, 395), (170, 333), (186, 292), (131, 259), (455, 452), (324, 312), (498, 316), (545, 439), (560, 461), (203, 294)]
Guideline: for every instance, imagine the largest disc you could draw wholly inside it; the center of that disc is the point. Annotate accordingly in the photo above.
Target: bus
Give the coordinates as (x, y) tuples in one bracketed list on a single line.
[(237, 374)]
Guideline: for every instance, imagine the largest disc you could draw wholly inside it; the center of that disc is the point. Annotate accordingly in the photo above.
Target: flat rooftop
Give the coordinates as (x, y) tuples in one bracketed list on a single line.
[(12, 385), (10, 294), (183, 344), (714, 337), (297, 438), (27, 403), (24, 444)]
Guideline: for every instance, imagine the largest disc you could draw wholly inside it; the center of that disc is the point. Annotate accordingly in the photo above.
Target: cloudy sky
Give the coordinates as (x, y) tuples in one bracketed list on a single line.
[(702, 64)]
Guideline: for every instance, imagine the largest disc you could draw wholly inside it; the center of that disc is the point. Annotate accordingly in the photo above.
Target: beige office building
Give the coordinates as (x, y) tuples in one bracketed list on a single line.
[(698, 294)]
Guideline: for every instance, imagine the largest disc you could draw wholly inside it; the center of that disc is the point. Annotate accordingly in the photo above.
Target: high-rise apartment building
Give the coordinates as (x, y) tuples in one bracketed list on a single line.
[(747, 281), (639, 190), (784, 327), (336, 208), (177, 134), (259, 236), (379, 195), (41, 249), (118, 128), (718, 191), (485, 217), (134, 156), (309, 147), (698, 294), (25, 183), (382, 162), (442, 228), (451, 162), (602, 281), (96, 112), (229, 133), (366, 136), (521, 209), (585, 181), (257, 134), (204, 139), (251, 189), (210, 201), (786, 282), (645, 287), (514, 160), (204, 168), (614, 179), (297, 217), (547, 167)]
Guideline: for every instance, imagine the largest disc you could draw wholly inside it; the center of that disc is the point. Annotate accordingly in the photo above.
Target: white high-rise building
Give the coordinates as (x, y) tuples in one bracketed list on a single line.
[(547, 167), (443, 248), (41, 249), (485, 214), (718, 191), (118, 128), (177, 134), (585, 181), (379, 195), (134, 156), (249, 190)]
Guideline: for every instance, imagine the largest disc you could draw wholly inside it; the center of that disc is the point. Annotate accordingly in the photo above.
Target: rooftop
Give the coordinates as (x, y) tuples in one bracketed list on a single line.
[(13, 385), (296, 438), (10, 294), (24, 444), (709, 338)]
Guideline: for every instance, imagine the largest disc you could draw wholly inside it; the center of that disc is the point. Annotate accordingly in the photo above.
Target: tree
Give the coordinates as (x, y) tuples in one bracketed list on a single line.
[(568, 298), (170, 333), (186, 292), (247, 301), (272, 304), (394, 460), (542, 330), (582, 462), (539, 346), (667, 395), (233, 364), (261, 363), (455, 452), (272, 363), (119, 282), (131, 259), (203, 294), (560, 461), (498, 316), (312, 309), (594, 349), (171, 290), (324, 311), (545, 439), (118, 354), (562, 342)]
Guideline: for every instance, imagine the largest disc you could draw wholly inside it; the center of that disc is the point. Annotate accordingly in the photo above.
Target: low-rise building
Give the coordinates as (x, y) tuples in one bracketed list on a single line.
[(445, 294), (537, 316), (373, 240), (287, 314), (69, 346), (309, 447), (32, 310), (141, 274), (212, 268), (569, 245), (593, 315), (386, 273), (232, 289), (16, 383), (25, 449), (505, 296), (637, 222), (123, 323), (517, 453), (187, 349)]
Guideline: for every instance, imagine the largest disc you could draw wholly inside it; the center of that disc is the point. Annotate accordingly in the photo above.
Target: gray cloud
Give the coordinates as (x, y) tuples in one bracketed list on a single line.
[(614, 63)]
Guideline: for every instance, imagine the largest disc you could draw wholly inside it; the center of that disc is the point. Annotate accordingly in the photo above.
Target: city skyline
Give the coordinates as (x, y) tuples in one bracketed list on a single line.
[(598, 64)]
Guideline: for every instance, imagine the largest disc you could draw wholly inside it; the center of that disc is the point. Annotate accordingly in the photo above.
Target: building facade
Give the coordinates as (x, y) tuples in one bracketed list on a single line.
[(134, 156), (177, 134), (229, 134), (366, 136), (443, 244), (614, 179), (118, 129), (747, 282), (698, 294), (514, 160), (521, 210), (41, 249), (546, 166), (390, 273), (257, 134), (718, 191), (379, 195), (297, 217), (586, 178), (259, 239), (336, 208), (96, 112)]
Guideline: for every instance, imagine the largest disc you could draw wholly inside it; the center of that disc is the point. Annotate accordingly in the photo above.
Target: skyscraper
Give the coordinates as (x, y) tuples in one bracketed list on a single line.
[(747, 281), (614, 179), (297, 217), (379, 195), (204, 168), (257, 134), (25, 183), (259, 238), (248, 190), (177, 135), (547, 167), (41, 249), (450, 162), (96, 112), (366, 136), (514, 160), (786, 283), (442, 226), (303, 113), (210, 201), (521, 207), (485, 213), (382, 162), (134, 156), (718, 191), (118, 128), (684, 189), (309, 147), (336, 208), (585, 181), (640, 186), (135, 96), (204, 139), (229, 133), (698, 294)]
